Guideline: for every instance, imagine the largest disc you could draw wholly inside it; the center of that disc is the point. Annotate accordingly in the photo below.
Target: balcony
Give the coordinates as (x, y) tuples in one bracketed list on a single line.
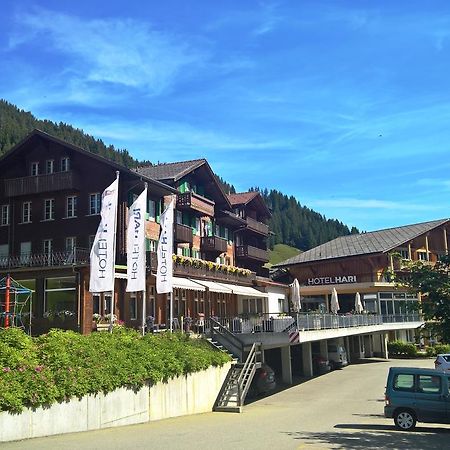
[(258, 227), (213, 244), (269, 323), (64, 258), (183, 233), (249, 252), (58, 181), (191, 200)]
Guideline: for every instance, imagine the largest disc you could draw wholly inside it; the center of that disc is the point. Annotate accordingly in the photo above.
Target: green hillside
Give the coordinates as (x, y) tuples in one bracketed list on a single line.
[(281, 252)]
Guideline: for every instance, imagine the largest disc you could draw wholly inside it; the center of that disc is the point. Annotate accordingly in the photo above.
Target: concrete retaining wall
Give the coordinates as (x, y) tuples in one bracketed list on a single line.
[(190, 394)]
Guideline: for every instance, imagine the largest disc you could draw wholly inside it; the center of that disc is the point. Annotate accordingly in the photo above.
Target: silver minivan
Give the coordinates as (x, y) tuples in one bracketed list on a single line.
[(337, 355), (417, 395)]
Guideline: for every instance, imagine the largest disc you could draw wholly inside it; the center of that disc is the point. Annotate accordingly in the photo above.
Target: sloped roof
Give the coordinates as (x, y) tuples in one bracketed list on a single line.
[(170, 171), (42, 134), (380, 241), (242, 198)]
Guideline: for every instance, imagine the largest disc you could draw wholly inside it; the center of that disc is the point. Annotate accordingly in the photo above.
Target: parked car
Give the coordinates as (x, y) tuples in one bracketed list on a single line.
[(416, 395), (263, 381), (321, 365), (442, 362), (337, 355)]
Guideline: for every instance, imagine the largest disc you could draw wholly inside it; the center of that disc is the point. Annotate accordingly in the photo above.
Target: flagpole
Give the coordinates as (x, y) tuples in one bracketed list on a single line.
[(144, 291), (111, 317)]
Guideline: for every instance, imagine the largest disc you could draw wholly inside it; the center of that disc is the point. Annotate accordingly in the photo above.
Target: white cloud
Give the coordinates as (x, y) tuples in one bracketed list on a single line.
[(434, 182), (118, 51), (178, 136)]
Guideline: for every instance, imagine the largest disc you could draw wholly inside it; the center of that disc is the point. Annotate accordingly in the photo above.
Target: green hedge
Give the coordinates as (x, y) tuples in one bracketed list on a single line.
[(61, 364), (438, 349), (399, 348)]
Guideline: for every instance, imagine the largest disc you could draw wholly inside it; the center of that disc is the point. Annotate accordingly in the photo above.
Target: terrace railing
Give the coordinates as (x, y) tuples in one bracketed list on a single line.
[(269, 323), (62, 258)]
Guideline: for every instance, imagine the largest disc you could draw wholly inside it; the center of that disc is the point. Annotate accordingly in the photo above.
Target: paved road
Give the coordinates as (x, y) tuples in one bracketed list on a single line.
[(343, 409)]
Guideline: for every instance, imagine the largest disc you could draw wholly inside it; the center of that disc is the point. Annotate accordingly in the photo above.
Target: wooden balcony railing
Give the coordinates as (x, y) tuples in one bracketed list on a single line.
[(256, 226), (183, 233), (213, 244), (41, 183), (191, 200), (249, 252)]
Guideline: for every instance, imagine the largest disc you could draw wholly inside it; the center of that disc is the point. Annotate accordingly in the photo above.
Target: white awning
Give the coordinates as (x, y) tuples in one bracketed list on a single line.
[(215, 287), (186, 283), (246, 290)]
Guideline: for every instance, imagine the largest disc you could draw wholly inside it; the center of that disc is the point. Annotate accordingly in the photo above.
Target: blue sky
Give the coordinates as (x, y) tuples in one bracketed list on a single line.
[(343, 104)]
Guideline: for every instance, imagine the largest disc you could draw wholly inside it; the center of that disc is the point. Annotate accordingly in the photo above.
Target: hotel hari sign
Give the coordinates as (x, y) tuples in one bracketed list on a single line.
[(345, 279)]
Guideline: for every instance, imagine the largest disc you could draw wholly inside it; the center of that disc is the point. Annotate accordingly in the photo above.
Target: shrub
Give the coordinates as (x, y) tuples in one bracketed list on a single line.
[(62, 364), (399, 348), (438, 349)]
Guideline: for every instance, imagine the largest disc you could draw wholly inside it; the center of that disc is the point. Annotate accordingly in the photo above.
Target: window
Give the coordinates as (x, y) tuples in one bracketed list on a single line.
[(179, 218), (65, 164), (404, 253), (422, 256), (280, 304), (4, 219), (429, 384), (49, 166), (47, 249), (34, 170), (252, 305), (91, 240), (151, 210), (71, 243), (96, 304), (404, 382), (47, 246), (4, 253), (49, 209), (26, 212), (71, 210), (95, 203), (133, 307), (60, 296), (151, 245)]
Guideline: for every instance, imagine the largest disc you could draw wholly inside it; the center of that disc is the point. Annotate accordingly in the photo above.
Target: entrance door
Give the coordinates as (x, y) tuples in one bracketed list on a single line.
[(431, 405)]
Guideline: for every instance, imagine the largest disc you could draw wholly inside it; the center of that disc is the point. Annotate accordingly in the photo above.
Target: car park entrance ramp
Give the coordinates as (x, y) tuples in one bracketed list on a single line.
[(237, 382)]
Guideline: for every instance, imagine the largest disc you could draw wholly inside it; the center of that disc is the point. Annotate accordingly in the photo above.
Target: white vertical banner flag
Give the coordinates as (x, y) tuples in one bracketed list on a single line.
[(102, 256), (164, 272), (136, 244)]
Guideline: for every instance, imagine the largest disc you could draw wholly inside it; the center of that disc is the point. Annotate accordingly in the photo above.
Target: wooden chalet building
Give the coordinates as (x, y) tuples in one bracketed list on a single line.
[(251, 238), (50, 198), (365, 263)]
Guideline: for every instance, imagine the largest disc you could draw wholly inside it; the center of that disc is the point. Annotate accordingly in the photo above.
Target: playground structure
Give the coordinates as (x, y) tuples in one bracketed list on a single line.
[(15, 304)]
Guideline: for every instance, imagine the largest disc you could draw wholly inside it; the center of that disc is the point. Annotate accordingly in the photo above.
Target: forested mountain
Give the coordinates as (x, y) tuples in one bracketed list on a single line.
[(15, 124), (297, 225), (291, 223)]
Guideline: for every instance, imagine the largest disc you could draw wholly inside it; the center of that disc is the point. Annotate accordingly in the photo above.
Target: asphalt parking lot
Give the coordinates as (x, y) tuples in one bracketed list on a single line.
[(343, 409)]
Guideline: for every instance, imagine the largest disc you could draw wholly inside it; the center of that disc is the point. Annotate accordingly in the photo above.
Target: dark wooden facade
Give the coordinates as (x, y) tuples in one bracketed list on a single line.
[(59, 276)]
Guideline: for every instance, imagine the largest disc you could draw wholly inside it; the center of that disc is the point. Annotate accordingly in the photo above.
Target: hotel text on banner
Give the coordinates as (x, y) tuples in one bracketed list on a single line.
[(136, 244), (165, 248), (102, 253)]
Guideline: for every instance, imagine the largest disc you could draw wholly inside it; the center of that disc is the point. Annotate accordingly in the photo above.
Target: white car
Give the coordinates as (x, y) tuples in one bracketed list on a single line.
[(442, 362)]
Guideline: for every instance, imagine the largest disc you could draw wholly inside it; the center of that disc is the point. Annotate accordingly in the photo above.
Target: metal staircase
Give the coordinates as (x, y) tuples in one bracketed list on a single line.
[(237, 382)]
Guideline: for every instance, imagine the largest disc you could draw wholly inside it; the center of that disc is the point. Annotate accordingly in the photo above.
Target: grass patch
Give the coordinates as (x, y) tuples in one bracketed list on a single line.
[(281, 252)]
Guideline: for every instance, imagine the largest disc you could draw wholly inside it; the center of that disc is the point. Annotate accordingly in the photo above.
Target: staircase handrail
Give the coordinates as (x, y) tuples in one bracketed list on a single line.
[(249, 365), (227, 335)]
